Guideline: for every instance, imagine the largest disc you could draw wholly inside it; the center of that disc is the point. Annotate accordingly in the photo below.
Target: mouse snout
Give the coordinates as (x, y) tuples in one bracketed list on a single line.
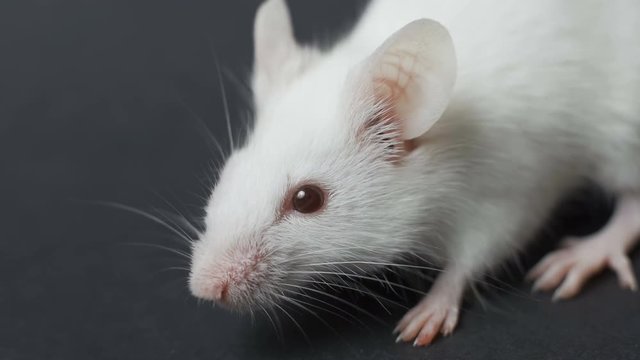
[(232, 280), (213, 288)]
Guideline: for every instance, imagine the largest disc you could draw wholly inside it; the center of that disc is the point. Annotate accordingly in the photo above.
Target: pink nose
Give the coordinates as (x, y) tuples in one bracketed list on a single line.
[(210, 288), (229, 279), (220, 290)]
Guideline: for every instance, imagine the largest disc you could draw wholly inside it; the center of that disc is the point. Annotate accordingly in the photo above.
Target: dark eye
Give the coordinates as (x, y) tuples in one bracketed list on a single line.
[(308, 199)]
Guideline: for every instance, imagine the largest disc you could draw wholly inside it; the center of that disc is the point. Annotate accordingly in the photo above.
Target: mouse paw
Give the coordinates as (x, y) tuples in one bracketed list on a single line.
[(568, 269), (436, 313)]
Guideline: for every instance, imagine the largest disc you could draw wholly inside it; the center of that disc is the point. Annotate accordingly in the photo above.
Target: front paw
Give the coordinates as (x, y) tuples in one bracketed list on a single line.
[(435, 314)]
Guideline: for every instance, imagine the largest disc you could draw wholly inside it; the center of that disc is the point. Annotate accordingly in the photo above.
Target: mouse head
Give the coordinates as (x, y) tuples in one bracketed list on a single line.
[(331, 178)]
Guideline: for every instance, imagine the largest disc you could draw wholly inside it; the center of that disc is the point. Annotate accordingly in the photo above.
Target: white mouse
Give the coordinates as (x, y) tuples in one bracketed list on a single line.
[(446, 129)]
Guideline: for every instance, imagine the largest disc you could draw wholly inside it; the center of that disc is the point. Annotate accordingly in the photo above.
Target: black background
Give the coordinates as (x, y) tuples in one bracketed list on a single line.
[(98, 102)]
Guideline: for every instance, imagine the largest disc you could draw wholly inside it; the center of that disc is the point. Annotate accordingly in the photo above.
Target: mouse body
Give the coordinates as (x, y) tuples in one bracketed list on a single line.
[(448, 130)]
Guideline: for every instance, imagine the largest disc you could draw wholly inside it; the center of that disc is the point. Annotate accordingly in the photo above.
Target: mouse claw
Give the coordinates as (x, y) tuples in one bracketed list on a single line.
[(568, 268), (572, 267), (436, 314)]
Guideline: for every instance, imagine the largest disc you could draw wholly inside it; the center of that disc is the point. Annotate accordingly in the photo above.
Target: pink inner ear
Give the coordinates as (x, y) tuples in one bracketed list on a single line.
[(396, 73), (394, 83)]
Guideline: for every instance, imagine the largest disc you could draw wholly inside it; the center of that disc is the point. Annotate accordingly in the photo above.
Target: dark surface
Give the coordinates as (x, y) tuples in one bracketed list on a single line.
[(93, 107)]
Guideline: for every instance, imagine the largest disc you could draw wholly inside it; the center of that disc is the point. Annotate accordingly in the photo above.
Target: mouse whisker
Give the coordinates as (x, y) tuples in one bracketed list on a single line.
[(391, 288), (208, 180), (358, 308), (145, 214), (358, 276), (358, 287), (294, 321), (502, 286), (367, 291), (275, 328), (207, 188), (178, 268), (180, 217), (179, 222), (375, 263), (185, 238), (241, 87), (162, 247), (322, 308), (305, 306), (200, 122), (415, 255), (225, 104), (391, 267), (302, 293), (329, 250)]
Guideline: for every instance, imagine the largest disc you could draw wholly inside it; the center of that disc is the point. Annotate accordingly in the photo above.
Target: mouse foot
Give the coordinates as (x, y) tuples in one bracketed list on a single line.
[(568, 268), (436, 314)]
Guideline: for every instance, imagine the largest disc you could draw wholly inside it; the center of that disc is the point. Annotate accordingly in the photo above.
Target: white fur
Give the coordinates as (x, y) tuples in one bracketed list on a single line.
[(546, 97)]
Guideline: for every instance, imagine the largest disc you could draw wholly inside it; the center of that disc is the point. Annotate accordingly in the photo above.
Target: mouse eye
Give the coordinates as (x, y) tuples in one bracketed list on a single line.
[(308, 199)]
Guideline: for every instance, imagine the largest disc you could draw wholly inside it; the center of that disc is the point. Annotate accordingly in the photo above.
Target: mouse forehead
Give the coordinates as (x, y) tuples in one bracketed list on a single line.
[(298, 137), (245, 198), (256, 178), (314, 105)]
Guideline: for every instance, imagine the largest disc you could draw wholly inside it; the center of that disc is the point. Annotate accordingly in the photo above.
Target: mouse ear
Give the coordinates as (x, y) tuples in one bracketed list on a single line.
[(274, 47), (412, 75)]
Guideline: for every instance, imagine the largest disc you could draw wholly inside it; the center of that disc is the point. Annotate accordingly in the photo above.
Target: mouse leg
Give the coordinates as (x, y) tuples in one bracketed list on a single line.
[(567, 269), (482, 237), (436, 313)]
